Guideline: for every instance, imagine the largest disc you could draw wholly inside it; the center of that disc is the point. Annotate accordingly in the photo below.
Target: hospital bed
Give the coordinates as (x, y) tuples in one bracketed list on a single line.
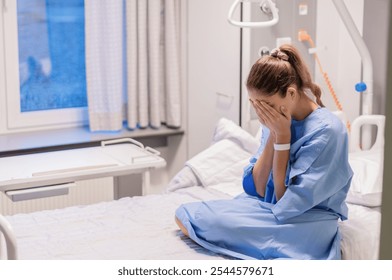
[(143, 227)]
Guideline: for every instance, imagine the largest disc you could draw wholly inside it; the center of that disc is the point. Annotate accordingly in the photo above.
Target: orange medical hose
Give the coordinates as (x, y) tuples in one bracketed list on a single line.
[(304, 36)]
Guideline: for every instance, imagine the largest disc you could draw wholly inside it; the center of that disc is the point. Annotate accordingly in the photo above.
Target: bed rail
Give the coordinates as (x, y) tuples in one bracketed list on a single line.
[(10, 240), (355, 135)]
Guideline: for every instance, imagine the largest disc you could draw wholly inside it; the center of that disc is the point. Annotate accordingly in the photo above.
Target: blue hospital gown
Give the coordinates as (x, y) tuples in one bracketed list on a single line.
[(303, 224)]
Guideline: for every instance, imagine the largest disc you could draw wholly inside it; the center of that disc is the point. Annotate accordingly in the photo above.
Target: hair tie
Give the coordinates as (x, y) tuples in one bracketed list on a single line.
[(279, 54)]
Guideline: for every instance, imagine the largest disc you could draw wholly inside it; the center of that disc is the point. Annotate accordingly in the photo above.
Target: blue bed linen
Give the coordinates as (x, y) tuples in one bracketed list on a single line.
[(303, 224)]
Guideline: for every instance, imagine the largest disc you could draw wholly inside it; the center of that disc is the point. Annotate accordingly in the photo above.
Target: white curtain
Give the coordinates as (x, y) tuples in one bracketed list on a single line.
[(132, 59)]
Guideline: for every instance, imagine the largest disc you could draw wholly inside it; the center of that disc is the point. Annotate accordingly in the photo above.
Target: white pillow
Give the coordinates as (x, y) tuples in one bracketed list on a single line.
[(366, 185), (222, 162), (227, 129)]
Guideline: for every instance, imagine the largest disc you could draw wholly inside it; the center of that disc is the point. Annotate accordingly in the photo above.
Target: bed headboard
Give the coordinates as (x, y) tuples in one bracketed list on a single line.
[(355, 135)]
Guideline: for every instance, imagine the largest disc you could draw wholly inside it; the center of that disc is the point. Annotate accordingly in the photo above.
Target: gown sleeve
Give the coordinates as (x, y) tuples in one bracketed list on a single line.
[(318, 170), (248, 183)]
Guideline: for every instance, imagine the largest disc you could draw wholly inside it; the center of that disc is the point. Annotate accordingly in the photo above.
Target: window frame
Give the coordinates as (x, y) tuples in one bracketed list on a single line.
[(12, 119)]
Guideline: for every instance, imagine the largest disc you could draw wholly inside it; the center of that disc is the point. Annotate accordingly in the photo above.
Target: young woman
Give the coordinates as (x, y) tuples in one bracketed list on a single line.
[(295, 186)]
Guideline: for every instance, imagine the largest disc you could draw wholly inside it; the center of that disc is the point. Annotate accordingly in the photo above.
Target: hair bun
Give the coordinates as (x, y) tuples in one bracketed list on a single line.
[(279, 54)]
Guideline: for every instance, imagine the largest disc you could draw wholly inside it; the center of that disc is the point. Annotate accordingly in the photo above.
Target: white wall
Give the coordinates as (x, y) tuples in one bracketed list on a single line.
[(213, 70)]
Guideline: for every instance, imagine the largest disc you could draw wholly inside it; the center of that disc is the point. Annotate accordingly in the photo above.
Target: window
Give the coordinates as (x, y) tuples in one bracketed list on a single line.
[(44, 63), (51, 54)]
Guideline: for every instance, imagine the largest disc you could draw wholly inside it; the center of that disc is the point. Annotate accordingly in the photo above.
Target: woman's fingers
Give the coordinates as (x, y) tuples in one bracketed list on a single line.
[(285, 112), (268, 115), (269, 112), (277, 121), (259, 112)]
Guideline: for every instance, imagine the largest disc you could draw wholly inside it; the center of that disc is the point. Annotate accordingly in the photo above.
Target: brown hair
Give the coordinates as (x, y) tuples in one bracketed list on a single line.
[(280, 70)]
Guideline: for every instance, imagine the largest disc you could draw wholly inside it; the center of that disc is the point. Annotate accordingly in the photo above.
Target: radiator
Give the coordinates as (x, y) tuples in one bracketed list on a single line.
[(84, 192)]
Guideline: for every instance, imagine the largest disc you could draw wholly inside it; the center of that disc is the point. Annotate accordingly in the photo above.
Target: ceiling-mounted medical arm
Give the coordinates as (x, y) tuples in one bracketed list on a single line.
[(267, 6)]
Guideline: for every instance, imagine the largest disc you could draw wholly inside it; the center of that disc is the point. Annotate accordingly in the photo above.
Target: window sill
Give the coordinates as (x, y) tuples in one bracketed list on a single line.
[(80, 137)]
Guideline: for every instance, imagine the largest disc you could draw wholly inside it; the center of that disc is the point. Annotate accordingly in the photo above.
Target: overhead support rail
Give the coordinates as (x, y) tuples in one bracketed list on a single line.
[(267, 6)]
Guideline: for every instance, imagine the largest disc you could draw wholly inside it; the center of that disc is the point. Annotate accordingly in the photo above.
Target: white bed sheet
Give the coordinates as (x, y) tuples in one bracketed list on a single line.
[(130, 228), (361, 233)]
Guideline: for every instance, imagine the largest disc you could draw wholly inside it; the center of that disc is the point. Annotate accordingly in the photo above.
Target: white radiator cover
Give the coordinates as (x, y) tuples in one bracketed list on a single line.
[(85, 192)]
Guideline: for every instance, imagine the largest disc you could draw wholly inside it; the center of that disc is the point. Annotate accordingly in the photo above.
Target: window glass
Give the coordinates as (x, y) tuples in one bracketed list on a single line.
[(51, 54)]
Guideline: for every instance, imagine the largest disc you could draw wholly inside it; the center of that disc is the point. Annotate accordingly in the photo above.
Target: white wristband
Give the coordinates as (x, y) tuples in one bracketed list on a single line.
[(281, 147)]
